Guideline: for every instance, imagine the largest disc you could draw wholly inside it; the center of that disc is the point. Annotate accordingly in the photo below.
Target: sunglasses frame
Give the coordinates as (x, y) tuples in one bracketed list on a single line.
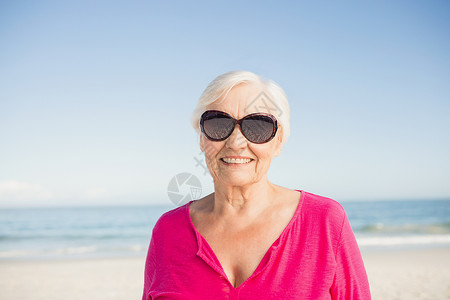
[(239, 122)]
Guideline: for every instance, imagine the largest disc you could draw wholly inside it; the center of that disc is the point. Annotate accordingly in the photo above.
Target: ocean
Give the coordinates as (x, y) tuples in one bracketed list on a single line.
[(79, 232)]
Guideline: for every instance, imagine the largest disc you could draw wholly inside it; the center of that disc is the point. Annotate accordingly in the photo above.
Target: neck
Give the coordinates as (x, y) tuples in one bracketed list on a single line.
[(244, 201)]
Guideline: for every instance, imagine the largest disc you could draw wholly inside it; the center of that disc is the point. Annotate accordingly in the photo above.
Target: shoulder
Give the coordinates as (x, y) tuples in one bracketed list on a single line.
[(172, 220), (322, 205), (319, 209)]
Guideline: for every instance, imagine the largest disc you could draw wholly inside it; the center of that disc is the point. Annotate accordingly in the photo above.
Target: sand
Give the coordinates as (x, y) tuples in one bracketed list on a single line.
[(87, 279), (409, 274), (393, 274)]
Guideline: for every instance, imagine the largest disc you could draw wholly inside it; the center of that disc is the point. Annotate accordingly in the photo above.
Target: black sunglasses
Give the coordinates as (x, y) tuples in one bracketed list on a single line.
[(258, 128)]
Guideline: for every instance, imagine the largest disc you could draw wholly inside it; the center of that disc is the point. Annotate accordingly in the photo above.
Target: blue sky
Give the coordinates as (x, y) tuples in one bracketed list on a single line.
[(95, 96)]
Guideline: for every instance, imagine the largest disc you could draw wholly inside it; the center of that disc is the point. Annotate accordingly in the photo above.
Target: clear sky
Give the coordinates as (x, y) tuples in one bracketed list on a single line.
[(95, 96)]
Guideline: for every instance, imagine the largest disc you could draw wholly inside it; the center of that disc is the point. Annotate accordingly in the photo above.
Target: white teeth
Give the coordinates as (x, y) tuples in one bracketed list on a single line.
[(236, 160)]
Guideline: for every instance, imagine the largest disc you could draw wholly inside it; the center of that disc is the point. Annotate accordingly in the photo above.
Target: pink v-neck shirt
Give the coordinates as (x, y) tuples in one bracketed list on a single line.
[(315, 257)]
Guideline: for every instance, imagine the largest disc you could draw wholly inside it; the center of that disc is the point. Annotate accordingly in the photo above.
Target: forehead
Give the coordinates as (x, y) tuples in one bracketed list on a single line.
[(244, 99)]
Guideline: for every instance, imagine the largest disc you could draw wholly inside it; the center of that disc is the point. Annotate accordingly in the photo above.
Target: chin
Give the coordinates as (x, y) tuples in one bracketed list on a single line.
[(236, 180)]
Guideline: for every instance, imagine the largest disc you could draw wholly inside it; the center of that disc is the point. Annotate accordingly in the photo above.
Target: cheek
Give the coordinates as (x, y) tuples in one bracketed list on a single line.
[(211, 149), (264, 152)]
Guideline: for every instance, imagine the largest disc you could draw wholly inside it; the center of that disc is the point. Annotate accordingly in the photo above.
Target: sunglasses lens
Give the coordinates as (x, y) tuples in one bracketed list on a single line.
[(258, 129), (217, 127)]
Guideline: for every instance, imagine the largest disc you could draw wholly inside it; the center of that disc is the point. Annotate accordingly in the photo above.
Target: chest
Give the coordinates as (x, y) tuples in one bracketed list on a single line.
[(240, 253)]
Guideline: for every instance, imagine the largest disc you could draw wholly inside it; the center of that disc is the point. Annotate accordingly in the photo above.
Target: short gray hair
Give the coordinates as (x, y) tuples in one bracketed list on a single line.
[(220, 87)]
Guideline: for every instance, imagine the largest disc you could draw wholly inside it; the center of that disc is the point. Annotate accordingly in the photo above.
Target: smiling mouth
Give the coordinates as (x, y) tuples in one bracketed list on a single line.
[(236, 160)]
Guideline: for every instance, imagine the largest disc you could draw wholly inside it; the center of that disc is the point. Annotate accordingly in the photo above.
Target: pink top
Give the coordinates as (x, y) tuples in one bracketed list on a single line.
[(315, 257)]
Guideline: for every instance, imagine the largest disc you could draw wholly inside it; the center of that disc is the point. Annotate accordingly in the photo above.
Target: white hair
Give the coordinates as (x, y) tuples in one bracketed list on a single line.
[(219, 88)]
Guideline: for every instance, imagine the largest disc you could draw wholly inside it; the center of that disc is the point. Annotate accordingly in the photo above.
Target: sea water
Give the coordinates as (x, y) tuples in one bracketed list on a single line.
[(30, 233), (400, 223)]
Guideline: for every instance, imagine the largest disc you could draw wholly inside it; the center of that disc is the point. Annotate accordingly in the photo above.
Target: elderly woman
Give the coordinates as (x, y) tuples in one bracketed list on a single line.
[(251, 239)]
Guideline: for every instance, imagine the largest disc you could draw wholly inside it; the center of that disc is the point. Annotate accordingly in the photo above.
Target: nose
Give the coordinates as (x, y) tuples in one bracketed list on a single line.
[(236, 140)]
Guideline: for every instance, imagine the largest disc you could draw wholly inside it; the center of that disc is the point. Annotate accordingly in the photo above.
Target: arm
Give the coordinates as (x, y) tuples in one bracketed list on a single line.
[(350, 280), (150, 267)]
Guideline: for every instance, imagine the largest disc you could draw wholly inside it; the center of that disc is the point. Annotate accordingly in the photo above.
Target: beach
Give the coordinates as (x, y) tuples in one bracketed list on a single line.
[(409, 274), (393, 274), (75, 279), (99, 252)]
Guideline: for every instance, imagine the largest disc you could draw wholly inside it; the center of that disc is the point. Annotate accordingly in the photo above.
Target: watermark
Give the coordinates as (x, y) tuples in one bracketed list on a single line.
[(263, 103), (200, 161), (183, 188)]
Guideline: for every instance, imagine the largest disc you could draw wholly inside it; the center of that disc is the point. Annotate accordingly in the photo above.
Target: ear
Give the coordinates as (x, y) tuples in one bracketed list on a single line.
[(202, 142), (279, 140)]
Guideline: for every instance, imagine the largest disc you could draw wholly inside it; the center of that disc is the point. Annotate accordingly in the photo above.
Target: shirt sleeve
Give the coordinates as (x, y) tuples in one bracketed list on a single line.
[(350, 280), (150, 267)]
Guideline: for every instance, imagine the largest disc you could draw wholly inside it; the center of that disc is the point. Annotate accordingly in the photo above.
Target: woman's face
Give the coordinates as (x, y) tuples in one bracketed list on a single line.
[(251, 161)]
